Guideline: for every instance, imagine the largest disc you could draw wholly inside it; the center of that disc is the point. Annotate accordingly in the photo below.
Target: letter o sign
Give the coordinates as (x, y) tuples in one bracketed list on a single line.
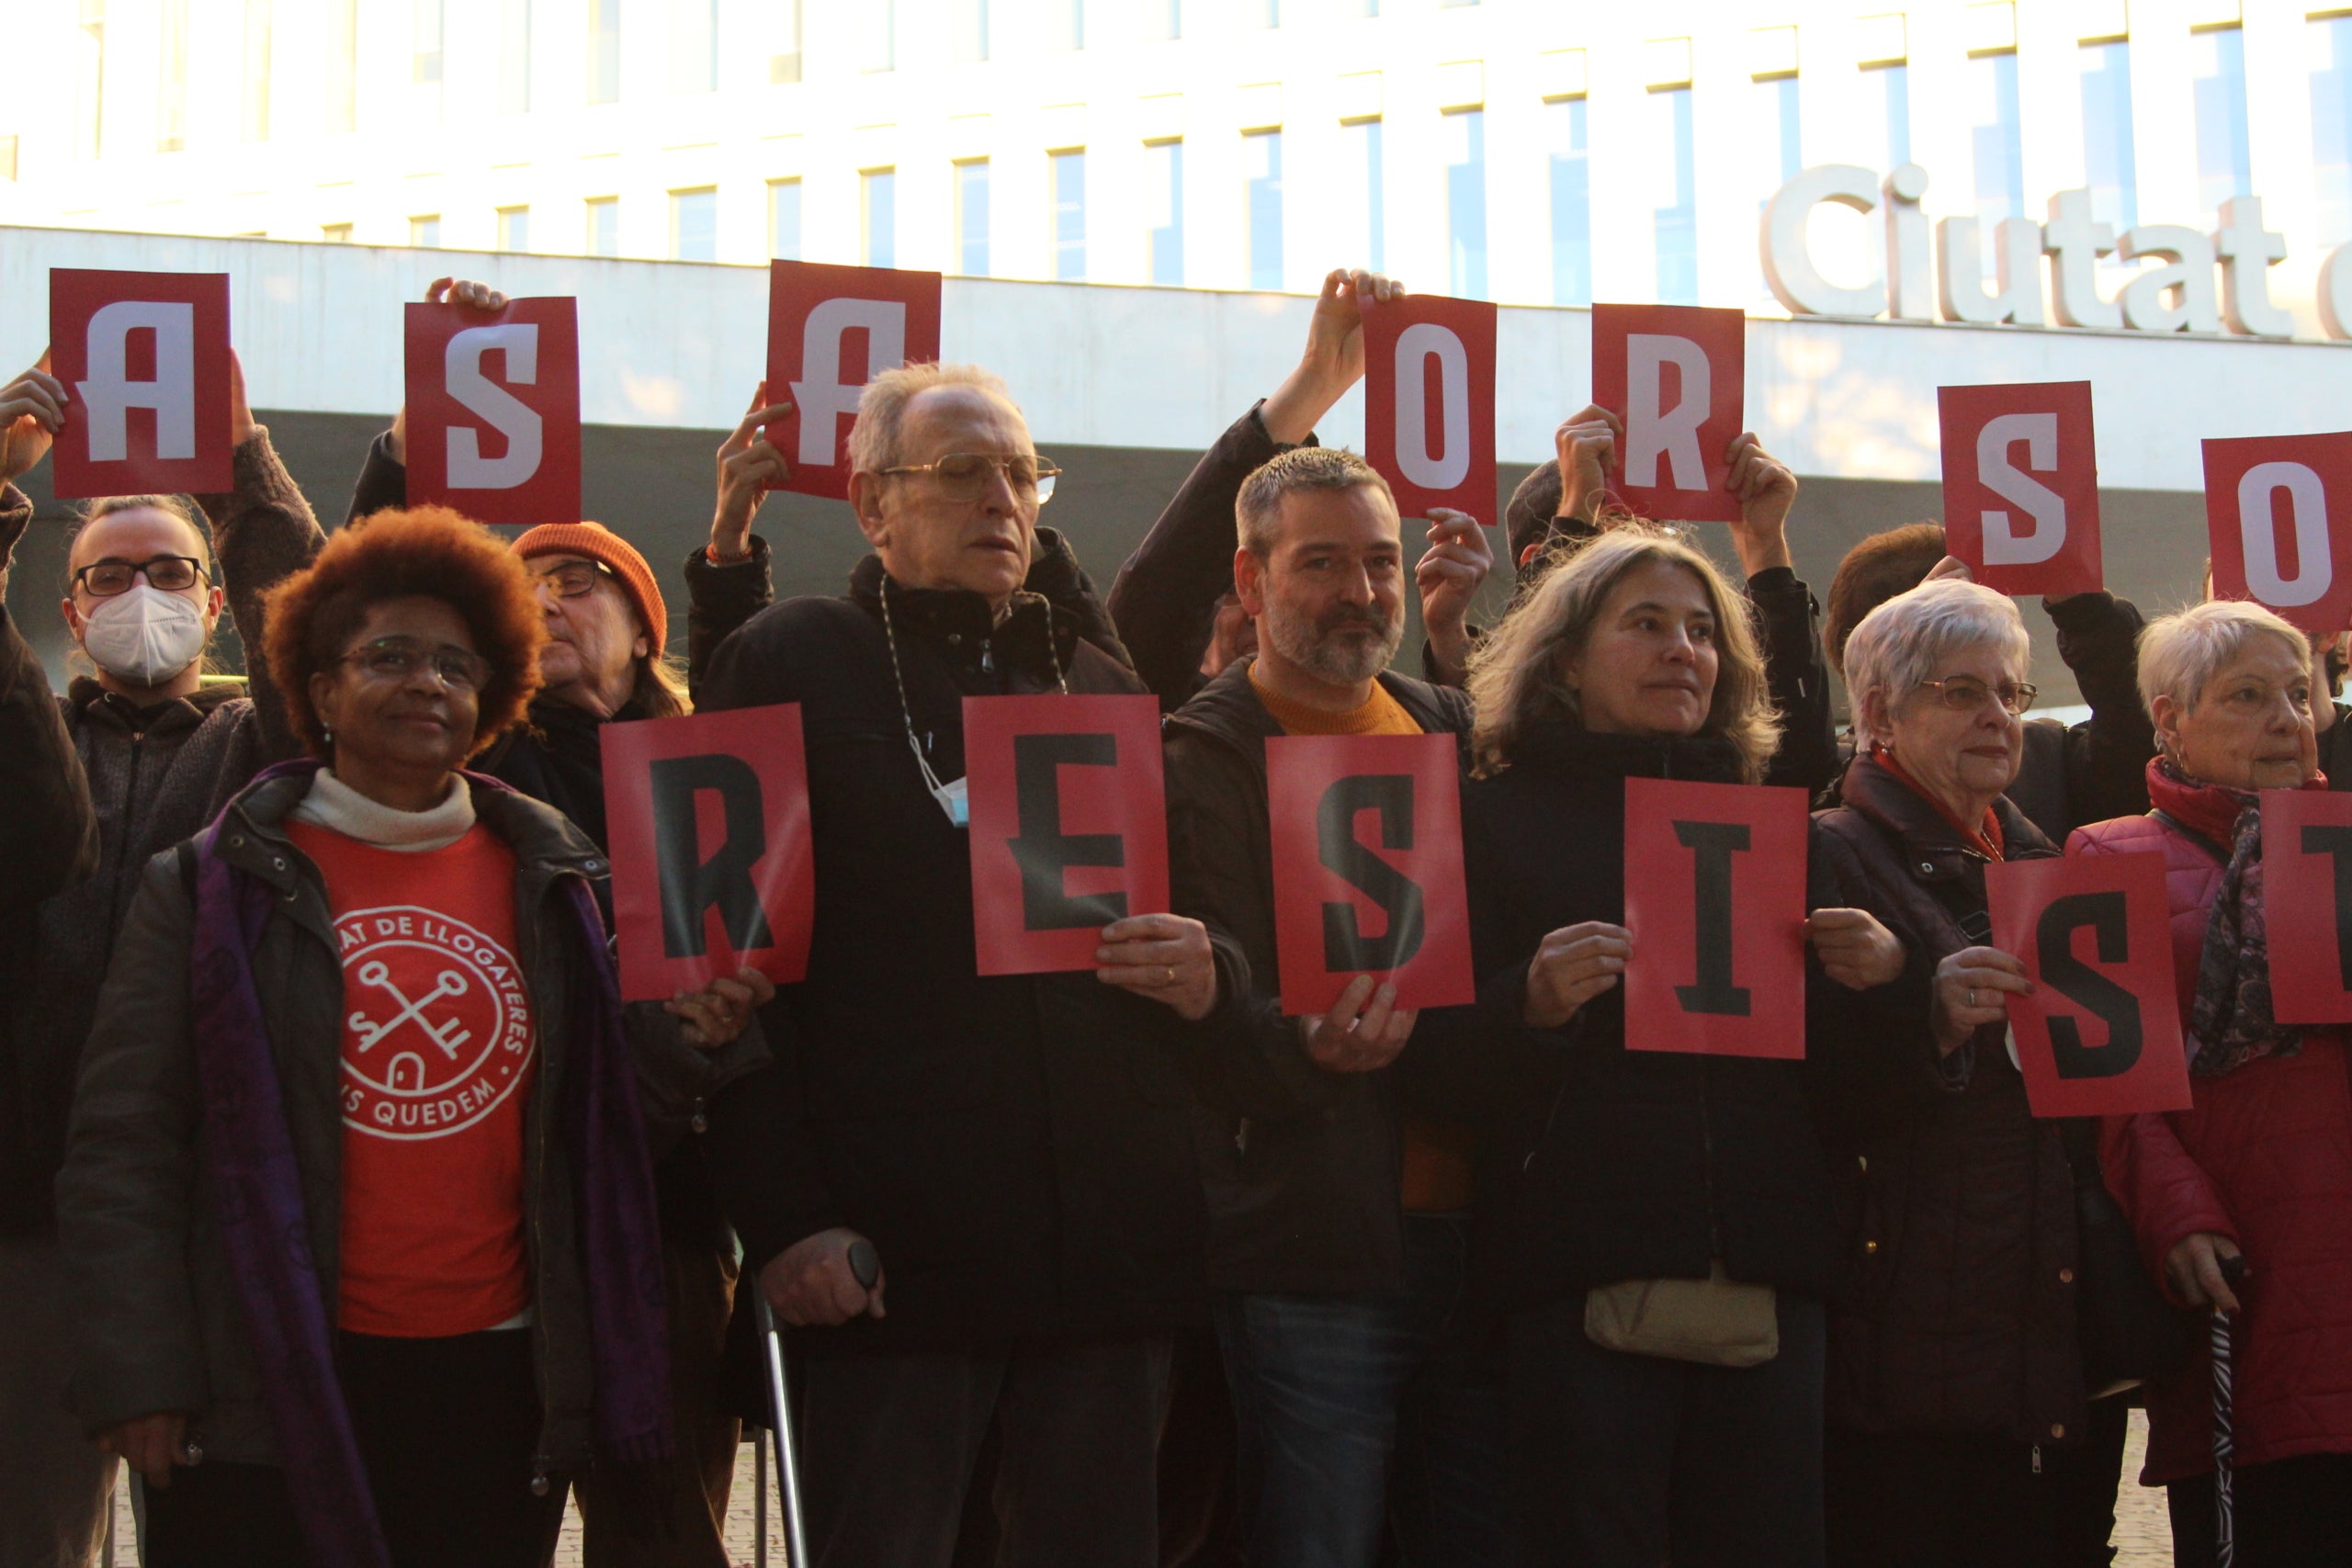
[(1430, 402), (2277, 510)]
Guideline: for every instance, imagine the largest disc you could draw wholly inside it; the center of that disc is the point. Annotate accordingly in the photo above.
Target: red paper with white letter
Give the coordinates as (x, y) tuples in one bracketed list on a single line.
[(713, 870), (2307, 888), (1678, 375), (2101, 1036), (2279, 512), (493, 410), (1428, 412), (832, 330), (2021, 486), (1367, 847), (1070, 825), (145, 356), (1714, 898)]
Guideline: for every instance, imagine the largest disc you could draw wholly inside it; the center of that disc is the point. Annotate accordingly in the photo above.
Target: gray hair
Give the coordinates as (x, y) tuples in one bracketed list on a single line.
[(1258, 510), (2180, 652), (1909, 638), (882, 407)]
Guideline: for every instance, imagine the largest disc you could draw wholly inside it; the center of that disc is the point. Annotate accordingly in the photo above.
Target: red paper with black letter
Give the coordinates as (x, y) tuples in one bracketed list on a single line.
[(2021, 485), (830, 331), (2278, 509), (2307, 892), (1070, 825), (493, 410), (1429, 411), (1677, 376), (1367, 847), (707, 818), (2101, 1036), (1714, 898), (145, 356)]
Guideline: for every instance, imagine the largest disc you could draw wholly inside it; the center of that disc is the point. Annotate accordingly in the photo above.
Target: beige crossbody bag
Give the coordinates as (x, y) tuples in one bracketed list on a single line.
[(1714, 1321)]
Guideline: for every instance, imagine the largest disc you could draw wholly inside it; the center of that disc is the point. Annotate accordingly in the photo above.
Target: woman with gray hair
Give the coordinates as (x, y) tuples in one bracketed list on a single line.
[(1619, 1176), (1954, 1373), (2263, 1160)]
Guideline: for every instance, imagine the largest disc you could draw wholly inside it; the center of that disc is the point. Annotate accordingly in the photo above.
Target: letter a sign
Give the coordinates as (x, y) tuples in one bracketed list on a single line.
[(145, 356), (1070, 825), (830, 331), (1428, 412), (1678, 375), (2279, 510), (712, 863), (1714, 896), (2021, 486), (493, 410), (1367, 862), (2101, 1034)]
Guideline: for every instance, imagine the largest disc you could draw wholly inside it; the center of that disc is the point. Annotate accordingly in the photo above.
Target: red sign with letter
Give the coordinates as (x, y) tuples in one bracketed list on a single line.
[(712, 867), (2101, 1034), (2021, 485), (1678, 375), (1367, 847), (145, 356), (2279, 510), (1070, 825), (1714, 898), (2307, 888), (493, 410), (1429, 411), (830, 331)]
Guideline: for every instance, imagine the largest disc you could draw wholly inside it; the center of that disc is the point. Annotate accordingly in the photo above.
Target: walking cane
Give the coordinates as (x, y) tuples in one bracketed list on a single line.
[(2226, 1546), (866, 1265)]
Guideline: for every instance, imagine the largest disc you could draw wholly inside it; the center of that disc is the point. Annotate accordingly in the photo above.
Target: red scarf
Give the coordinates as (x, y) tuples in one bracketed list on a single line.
[(1986, 840)]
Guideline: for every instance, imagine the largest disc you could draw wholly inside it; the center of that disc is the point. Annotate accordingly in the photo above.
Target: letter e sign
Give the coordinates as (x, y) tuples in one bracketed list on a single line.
[(2021, 486), (145, 356), (493, 410), (1677, 376), (830, 331), (1429, 419), (2279, 512)]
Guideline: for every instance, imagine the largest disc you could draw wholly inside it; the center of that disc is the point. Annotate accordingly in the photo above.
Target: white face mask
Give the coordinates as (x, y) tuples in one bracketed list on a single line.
[(145, 636)]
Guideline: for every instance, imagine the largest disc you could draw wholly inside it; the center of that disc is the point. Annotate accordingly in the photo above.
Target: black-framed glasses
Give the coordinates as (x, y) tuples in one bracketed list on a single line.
[(171, 574), (398, 658), (965, 475), (571, 578), (1966, 693)]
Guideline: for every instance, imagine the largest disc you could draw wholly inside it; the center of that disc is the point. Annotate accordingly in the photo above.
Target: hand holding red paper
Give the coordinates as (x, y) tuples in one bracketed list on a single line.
[(1449, 575), (1571, 966), (1165, 958), (1855, 950), (1972, 989), (2021, 486), (718, 1015), (1677, 376), (1364, 1031), (32, 410), (748, 467), (1429, 402)]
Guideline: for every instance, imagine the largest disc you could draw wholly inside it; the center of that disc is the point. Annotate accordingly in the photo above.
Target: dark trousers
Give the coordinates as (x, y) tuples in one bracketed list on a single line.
[(447, 1428), (888, 1443), (1632, 1461), (2290, 1513), (1355, 1411)]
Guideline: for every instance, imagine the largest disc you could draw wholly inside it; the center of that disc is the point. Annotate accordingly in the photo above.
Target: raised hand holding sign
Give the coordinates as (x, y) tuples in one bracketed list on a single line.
[(143, 357), (832, 330), (492, 421), (2279, 512), (1430, 402), (1676, 377), (2021, 486)]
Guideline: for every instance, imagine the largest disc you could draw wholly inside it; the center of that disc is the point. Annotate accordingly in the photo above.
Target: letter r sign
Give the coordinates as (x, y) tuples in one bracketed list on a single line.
[(493, 410), (830, 331), (145, 356), (2021, 486), (1677, 376)]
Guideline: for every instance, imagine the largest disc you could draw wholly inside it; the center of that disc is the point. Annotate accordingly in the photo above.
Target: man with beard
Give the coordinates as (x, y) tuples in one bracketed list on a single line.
[(1338, 1224)]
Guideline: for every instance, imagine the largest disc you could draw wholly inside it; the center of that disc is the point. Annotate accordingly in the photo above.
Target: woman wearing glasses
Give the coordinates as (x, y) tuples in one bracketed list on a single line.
[(1955, 1387), (357, 1209)]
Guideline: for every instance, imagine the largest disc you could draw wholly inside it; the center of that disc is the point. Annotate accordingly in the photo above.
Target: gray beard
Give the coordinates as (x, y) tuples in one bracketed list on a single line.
[(1343, 660)]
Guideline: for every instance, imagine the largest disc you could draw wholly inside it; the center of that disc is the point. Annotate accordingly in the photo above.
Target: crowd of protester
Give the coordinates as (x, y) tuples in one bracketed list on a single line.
[(1166, 1276)]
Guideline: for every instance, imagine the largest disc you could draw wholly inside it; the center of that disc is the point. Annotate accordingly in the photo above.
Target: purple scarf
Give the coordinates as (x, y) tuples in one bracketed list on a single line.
[(257, 1199), (2231, 1019)]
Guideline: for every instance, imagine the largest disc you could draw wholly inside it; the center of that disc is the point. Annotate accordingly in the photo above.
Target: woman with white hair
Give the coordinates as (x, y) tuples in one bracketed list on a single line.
[(1955, 1380), (2262, 1163), (1623, 1184)]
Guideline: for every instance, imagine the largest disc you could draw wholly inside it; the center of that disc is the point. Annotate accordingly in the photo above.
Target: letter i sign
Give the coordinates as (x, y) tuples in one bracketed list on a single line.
[(145, 356), (830, 331)]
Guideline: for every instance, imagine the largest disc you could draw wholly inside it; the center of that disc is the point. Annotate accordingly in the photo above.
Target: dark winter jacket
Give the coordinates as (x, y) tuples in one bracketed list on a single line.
[(49, 835), (1302, 1165), (1954, 1306), (1017, 1147)]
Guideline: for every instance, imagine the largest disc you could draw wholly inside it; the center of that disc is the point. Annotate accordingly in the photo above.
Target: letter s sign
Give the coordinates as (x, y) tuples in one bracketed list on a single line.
[(2021, 486), (493, 410)]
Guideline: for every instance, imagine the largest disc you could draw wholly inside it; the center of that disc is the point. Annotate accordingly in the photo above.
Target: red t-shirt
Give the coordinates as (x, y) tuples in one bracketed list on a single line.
[(438, 1050)]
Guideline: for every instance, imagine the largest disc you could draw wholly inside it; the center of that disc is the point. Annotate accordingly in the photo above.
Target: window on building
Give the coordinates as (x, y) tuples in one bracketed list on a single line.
[(1070, 215), (7, 157), (879, 47), (256, 84), (1994, 140), (2217, 75), (972, 218), (1674, 214), (879, 217), (1891, 85), (336, 234), (171, 84), (1465, 202), (694, 224), (784, 219), (90, 87), (424, 233), (1262, 160), (425, 59), (1450, 5), (514, 228), (1068, 21), (694, 46), (2108, 169), (970, 42), (343, 66), (603, 225), (2330, 43), (514, 56), (1164, 191), (1363, 172), (603, 51), (1571, 202), (1269, 12), (1779, 144), (1371, 7), (1167, 17), (784, 61)]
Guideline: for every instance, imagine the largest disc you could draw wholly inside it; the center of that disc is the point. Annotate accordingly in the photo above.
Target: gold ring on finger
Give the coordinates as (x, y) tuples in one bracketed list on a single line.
[(1171, 975)]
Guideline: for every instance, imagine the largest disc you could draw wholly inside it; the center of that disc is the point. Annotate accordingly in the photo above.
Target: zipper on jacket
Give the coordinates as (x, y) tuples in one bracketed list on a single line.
[(1707, 1147)]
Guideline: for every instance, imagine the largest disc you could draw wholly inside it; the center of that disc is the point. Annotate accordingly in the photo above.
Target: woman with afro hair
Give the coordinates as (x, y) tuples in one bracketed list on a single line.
[(358, 1208)]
